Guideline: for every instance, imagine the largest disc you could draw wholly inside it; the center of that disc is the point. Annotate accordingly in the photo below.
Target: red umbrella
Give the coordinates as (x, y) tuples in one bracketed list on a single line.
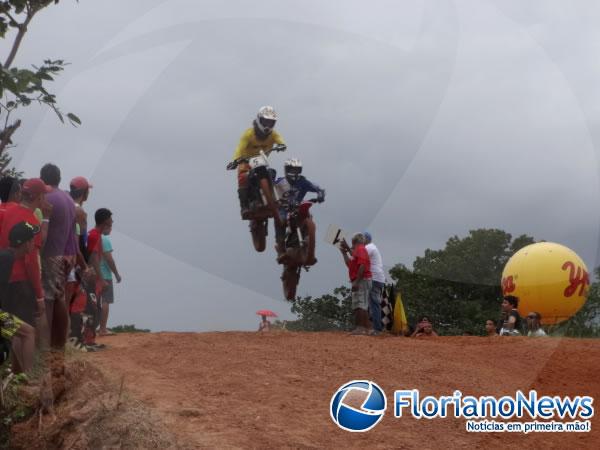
[(266, 312)]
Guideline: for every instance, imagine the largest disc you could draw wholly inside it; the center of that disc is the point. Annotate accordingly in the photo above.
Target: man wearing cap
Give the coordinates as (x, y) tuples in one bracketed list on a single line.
[(79, 189), (20, 334), (25, 286), (58, 255), (378, 283)]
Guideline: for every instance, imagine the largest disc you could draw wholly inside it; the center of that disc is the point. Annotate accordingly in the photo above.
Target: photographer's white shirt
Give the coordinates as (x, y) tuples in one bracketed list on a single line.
[(376, 263)]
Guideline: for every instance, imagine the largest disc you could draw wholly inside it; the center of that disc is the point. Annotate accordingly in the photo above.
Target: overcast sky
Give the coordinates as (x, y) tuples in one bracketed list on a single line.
[(421, 119)]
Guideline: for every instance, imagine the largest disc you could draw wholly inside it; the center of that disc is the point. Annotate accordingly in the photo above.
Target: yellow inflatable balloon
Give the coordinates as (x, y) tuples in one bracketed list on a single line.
[(548, 278)]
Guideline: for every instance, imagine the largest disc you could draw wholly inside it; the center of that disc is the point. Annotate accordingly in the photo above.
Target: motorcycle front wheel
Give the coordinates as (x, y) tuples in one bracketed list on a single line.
[(290, 278), (258, 229)]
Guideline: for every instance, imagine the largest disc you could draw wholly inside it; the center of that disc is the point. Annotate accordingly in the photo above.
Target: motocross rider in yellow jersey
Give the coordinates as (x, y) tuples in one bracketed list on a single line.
[(260, 136)]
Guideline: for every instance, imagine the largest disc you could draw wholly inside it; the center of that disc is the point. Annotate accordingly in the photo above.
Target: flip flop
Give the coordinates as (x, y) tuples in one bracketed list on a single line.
[(108, 333)]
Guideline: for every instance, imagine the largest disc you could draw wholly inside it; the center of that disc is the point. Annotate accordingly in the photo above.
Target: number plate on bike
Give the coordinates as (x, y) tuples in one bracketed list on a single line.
[(257, 161)]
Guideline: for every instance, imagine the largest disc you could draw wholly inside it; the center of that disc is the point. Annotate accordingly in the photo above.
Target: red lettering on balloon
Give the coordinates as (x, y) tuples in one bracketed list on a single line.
[(578, 278), (508, 285)]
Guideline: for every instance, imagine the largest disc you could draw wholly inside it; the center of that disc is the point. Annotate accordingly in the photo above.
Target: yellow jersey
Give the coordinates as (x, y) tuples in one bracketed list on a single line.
[(251, 146)]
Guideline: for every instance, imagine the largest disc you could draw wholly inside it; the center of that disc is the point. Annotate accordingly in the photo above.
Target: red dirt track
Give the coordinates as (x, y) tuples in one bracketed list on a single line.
[(272, 390)]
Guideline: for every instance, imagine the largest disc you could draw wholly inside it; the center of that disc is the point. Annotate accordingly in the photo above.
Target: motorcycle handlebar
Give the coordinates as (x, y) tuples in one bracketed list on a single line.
[(293, 206), (236, 162)]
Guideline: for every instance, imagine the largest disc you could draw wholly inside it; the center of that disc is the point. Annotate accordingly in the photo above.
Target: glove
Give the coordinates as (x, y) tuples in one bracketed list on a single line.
[(232, 165), (321, 196), (280, 147)]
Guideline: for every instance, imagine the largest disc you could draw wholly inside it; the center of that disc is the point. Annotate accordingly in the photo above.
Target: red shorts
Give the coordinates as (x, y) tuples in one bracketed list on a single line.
[(76, 296), (243, 170)]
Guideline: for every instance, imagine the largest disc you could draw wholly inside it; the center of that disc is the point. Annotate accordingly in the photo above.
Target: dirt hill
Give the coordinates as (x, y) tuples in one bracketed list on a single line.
[(273, 390)]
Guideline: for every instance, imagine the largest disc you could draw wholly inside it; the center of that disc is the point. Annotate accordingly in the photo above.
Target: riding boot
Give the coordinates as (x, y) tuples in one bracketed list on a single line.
[(280, 248), (244, 202)]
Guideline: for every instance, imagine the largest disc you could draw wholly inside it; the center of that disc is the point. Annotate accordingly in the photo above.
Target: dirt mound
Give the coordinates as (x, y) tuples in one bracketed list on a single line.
[(89, 413), (272, 390)]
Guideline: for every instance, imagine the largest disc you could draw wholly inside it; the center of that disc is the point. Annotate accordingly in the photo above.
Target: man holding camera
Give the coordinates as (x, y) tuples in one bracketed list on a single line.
[(359, 269)]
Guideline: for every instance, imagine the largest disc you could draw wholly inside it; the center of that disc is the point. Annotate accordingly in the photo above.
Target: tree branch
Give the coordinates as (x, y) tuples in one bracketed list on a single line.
[(7, 134), (6, 122), (11, 18), (20, 34)]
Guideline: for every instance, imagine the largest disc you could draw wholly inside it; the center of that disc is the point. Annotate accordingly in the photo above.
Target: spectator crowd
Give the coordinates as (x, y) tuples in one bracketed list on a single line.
[(56, 275), (367, 278)]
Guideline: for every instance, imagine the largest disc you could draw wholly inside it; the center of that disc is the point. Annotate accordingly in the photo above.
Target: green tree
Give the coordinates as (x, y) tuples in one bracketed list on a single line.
[(458, 287), (586, 323), (325, 313), (128, 329), (20, 87)]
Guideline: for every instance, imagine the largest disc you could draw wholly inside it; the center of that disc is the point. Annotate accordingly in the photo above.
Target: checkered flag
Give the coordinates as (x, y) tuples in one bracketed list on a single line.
[(387, 310)]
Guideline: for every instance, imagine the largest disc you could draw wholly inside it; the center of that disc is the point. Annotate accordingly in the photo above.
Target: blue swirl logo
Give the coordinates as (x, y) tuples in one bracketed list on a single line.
[(357, 419)]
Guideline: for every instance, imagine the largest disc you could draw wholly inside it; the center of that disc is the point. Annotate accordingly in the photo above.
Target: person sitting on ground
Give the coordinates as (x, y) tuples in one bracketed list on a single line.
[(511, 320), (425, 329), (490, 328), (20, 334), (418, 328), (264, 325), (534, 325)]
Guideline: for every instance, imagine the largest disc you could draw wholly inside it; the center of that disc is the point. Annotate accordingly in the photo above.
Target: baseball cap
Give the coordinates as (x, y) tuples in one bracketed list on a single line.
[(367, 236), (21, 233), (80, 183), (36, 186)]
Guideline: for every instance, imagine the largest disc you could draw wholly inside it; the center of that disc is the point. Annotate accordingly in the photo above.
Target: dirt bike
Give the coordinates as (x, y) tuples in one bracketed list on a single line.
[(262, 197), (296, 245)]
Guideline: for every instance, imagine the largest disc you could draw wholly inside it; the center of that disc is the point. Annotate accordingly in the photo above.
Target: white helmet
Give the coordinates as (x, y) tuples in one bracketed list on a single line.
[(292, 169), (266, 119)]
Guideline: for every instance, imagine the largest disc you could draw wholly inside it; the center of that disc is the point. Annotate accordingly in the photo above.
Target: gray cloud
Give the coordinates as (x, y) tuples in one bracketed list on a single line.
[(417, 132)]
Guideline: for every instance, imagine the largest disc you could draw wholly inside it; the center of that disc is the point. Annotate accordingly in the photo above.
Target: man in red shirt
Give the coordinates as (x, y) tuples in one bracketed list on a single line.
[(10, 194), (24, 293), (21, 335), (359, 269), (104, 222), (10, 191)]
